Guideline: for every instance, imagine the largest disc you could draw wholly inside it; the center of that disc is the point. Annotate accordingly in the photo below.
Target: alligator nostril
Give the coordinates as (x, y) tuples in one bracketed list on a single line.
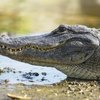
[(62, 28)]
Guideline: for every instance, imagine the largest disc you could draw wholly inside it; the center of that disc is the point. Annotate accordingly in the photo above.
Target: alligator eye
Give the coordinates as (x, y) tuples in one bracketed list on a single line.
[(62, 28)]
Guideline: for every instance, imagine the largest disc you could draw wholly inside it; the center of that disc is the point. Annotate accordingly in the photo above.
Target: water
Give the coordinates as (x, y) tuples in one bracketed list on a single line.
[(19, 72)]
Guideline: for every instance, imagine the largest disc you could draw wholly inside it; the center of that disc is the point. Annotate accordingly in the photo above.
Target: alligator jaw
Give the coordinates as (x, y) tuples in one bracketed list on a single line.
[(71, 46), (64, 45), (29, 49)]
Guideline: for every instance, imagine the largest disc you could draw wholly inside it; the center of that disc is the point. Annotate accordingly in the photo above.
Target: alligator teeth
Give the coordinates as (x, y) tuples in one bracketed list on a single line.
[(41, 48), (5, 47), (10, 51), (8, 48), (19, 49), (36, 47), (25, 47), (2, 46), (13, 50)]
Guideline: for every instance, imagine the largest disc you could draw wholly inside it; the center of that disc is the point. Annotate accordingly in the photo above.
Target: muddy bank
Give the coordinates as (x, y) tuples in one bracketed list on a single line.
[(12, 74), (69, 89)]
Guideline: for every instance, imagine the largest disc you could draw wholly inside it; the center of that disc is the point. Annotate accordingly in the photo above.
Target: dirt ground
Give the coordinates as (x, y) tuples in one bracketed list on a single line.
[(66, 90)]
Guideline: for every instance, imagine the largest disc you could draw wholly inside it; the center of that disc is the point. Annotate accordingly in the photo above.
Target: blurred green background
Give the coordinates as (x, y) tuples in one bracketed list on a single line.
[(26, 16)]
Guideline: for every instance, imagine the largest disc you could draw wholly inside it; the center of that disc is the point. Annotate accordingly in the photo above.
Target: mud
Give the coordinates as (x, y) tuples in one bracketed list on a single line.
[(66, 90)]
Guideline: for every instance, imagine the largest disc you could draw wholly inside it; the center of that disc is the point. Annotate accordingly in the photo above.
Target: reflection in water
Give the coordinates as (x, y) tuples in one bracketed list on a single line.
[(13, 71)]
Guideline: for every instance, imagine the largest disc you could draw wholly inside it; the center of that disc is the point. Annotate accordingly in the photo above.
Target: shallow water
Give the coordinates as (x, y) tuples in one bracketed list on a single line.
[(19, 72)]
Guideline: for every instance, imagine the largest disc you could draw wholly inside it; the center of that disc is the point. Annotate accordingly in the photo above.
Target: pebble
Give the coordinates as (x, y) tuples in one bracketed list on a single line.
[(44, 73)]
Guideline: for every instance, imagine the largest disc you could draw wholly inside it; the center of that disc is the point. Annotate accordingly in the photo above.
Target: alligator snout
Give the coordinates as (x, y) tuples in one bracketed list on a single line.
[(71, 47)]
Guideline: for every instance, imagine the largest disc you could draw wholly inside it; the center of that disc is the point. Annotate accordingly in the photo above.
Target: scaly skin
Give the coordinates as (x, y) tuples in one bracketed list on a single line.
[(73, 50)]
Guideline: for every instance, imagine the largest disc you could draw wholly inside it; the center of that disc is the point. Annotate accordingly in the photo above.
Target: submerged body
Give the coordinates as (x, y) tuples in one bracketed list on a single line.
[(74, 50)]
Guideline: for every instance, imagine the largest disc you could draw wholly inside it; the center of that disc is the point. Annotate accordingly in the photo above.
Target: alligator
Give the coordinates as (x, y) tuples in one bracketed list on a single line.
[(72, 49)]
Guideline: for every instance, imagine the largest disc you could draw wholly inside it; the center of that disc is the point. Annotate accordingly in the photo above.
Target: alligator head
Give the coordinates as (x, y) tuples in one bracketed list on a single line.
[(66, 45)]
